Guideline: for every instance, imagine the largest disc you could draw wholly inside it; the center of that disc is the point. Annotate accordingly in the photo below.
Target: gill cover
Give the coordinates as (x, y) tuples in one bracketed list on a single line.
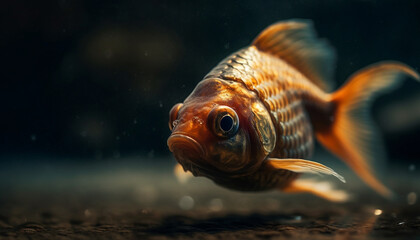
[(264, 127)]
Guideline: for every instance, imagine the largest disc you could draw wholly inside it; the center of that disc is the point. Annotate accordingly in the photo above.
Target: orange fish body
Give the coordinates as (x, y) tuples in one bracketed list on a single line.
[(250, 123)]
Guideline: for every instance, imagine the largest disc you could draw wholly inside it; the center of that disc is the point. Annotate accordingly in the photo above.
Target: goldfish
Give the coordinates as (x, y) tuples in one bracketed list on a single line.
[(251, 123)]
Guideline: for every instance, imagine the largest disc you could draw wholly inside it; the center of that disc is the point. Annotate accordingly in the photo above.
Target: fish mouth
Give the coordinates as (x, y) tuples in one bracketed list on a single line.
[(185, 148)]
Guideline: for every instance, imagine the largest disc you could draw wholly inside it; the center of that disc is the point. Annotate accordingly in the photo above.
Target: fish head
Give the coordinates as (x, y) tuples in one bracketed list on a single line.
[(215, 133)]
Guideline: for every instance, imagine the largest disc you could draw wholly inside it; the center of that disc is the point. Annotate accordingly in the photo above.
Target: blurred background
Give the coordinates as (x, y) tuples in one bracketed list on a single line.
[(94, 80), (86, 87)]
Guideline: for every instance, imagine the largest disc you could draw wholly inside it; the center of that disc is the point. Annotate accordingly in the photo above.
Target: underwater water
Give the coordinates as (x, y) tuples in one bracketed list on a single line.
[(87, 88), (143, 200)]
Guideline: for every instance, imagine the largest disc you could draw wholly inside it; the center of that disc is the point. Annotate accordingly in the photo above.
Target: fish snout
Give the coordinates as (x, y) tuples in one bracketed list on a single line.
[(185, 148)]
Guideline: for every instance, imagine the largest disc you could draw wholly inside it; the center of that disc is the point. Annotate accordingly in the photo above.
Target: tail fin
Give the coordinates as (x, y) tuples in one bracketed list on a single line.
[(351, 136)]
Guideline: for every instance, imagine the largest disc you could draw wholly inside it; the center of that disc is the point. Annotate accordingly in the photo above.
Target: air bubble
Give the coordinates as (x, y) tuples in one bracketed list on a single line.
[(186, 203), (411, 198), (87, 213), (216, 204), (412, 167)]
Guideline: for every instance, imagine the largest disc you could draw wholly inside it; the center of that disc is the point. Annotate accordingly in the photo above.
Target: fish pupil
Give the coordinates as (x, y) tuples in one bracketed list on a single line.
[(226, 123)]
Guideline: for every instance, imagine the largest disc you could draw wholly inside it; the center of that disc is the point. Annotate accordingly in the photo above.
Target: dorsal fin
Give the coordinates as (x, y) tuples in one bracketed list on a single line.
[(295, 42)]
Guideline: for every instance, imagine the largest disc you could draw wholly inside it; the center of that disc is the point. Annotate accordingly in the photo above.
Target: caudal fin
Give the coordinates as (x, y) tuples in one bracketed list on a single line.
[(351, 135)]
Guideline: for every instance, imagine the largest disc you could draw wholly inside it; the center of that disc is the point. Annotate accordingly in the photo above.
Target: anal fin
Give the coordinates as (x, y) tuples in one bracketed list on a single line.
[(320, 189)]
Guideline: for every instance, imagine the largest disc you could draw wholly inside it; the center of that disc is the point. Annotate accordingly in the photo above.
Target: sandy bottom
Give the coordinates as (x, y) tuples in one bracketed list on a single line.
[(135, 201)]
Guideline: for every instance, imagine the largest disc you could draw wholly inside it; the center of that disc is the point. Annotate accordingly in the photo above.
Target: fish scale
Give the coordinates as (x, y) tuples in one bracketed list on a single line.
[(283, 91), (276, 87)]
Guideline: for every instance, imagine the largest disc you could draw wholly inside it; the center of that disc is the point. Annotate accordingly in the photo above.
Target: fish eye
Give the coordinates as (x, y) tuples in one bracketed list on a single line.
[(173, 115), (224, 121)]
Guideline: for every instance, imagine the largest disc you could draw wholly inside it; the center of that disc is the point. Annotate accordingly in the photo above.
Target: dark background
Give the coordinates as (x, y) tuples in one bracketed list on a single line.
[(95, 79)]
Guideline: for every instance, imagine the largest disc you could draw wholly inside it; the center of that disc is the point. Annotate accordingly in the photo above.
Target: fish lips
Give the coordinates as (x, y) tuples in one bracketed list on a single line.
[(185, 149)]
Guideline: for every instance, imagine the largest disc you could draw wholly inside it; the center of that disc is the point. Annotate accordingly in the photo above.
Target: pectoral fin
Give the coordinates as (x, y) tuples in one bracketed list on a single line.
[(181, 175), (303, 166)]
